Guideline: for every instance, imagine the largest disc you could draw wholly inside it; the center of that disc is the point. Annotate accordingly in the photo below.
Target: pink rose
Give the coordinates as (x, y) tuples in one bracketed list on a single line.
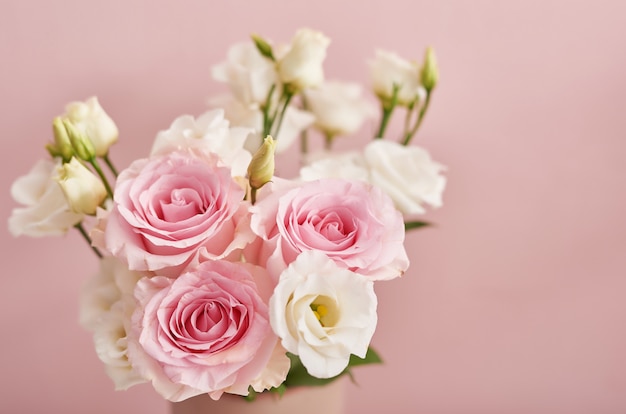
[(170, 209), (353, 223), (207, 331)]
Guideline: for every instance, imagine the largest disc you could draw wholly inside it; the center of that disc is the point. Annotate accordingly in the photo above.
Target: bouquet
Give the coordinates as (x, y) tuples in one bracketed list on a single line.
[(216, 275)]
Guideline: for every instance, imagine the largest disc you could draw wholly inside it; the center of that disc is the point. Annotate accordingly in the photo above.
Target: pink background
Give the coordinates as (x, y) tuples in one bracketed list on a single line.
[(514, 302)]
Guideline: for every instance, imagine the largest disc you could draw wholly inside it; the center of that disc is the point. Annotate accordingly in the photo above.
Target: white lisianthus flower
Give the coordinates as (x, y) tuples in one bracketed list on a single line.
[(83, 191), (339, 107), (46, 211), (249, 74), (349, 165), (106, 306), (90, 119), (323, 313), (295, 121), (301, 65), (407, 174), (211, 133), (388, 69)]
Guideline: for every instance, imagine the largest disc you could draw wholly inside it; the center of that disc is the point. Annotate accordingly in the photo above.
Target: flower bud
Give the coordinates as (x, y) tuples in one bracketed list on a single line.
[(263, 47), (90, 119), (62, 147), (429, 74), (394, 77), (261, 168), (83, 191), (302, 67), (83, 147)]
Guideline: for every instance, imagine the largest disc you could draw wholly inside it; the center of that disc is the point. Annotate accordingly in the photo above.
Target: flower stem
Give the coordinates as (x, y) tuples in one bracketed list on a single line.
[(82, 231), (96, 166), (287, 99), (109, 164), (304, 142), (383, 122), (387, 108), (420, 118), (328, 142), (267, 125)]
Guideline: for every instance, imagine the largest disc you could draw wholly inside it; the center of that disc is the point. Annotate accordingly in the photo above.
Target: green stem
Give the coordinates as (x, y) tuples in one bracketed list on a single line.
[(267, 126), (82, 231), (288, 97), (96, 166), (328, 142), (407, 118), (109, 164), (420, 118), (383, 122), (253, 195), (387, 108), (304, 142)]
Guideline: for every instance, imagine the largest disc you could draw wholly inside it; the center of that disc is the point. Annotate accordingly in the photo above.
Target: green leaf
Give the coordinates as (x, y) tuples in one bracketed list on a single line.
[(298, 375), (410, 225)]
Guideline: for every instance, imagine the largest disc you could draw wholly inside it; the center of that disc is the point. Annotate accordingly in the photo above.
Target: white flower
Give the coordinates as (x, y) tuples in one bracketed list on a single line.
[(406, 173), (83, 191), (209, 132), (89, 118), (106, 306), (347, 165), (338, 107), (248, 74), (301, 66), (45, 211), (388, 69), (295, 121), (323, 313)]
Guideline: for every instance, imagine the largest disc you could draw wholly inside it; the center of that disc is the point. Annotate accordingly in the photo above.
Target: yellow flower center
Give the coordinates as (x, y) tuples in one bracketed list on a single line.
[(325, 311)]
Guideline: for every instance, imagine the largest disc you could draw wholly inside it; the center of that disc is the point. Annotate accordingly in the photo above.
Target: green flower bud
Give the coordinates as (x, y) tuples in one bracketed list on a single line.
[(429, 74), (61, 147), (261, 168), (83, 147), (263, 47)]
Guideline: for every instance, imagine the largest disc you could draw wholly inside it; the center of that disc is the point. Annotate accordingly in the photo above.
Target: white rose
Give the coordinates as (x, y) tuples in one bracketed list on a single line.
[(347, 165), (295, 121), (323, 313), (45, 211), (106, 305), (83, 191), (406, 173), (338, 107), (388, 69), (209, 132), (301, 66), (90, 119), (248, 74)]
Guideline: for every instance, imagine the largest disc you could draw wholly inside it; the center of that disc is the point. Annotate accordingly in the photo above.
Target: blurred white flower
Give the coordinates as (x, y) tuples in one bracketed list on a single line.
[(90, 119), (406, 173), (347, 165), (46, 211), (388, 69), (83, 190), (295, 121), (301, 65), (339, 107), (323, 313), (210, 132), (106, 306), (248, 74)]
